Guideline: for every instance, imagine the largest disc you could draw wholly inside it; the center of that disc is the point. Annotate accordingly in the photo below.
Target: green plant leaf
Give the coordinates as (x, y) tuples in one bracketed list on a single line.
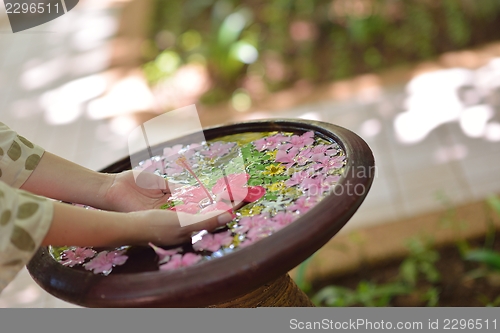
[(495, 303), (408, 271), (56, 251), (430, 272), (300, 278), (431, 296), (334, 296), (488, 257), (494, 203), (370, 294)]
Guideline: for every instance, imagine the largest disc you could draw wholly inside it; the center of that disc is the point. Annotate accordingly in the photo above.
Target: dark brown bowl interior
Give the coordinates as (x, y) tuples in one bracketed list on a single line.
[(235, 274)]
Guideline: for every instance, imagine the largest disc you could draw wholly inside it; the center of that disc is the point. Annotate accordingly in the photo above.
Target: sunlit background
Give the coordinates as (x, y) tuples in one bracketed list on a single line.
[(418, 80)]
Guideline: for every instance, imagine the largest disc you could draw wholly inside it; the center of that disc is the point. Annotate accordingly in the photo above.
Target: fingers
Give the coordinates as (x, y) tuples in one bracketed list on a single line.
[(208, 221), (165, 227)]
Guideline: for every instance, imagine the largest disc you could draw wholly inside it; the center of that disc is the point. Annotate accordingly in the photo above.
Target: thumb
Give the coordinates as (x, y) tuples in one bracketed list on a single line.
[(150, 181)]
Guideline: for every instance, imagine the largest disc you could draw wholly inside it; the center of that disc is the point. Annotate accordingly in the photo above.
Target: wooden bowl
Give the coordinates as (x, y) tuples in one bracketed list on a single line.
[(239, 273)]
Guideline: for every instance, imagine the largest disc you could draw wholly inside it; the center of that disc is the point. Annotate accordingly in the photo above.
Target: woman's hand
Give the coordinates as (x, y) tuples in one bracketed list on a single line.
[(85, 227), (60, 179), (132, 191), (164, 227)]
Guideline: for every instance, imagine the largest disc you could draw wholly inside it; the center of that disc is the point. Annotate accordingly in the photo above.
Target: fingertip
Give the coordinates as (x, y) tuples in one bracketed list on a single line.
[(224, 218)]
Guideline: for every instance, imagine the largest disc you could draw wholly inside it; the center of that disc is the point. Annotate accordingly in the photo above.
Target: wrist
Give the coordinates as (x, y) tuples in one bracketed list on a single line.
[(137, 230), (107, 180)]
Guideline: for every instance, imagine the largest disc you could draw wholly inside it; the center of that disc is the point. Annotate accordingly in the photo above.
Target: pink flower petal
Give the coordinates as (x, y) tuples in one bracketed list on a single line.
[(250, 222), (173, 263), (260, 144), (119, 260), (190, 194), (261, 232), (213, 242), (270, 142), (218, 149), (178, 261), (232, 187), (170, 151), (163, 254), (190, 259), (284, 157), (303, 140), (104, 262), (255, 193), (217, 206), (191, 208), (76, 256), (283, 219)]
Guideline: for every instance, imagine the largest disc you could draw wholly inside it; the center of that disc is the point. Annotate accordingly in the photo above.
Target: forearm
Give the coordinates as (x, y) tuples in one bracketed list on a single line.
[(87, 227), (60, 179)]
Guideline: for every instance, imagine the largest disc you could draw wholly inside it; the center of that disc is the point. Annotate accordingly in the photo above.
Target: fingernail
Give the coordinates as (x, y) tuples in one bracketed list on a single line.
[(224, 218)]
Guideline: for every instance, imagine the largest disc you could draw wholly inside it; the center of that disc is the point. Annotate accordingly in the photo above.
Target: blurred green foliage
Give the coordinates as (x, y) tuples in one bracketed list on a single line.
[(419, 265), (418, 273), (275, 43)]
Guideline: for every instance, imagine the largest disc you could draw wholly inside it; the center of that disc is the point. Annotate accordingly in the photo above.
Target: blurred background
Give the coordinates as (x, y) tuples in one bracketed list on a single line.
[(245, 50), (419, 80)]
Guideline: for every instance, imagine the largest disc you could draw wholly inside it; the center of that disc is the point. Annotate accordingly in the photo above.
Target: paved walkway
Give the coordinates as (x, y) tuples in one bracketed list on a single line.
[(434, 137), (49, 75)]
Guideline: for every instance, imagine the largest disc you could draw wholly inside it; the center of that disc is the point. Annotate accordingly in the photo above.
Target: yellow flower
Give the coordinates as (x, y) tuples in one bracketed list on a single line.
[(280, 186), (236, 240), (250, 210), (274, 169), (255, 210), (245, 211), (293, 192), (272, 154)]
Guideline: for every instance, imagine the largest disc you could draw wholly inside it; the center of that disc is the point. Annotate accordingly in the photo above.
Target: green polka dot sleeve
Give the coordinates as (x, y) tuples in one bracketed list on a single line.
[(24, 221), (24, 218), (18, 157)]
